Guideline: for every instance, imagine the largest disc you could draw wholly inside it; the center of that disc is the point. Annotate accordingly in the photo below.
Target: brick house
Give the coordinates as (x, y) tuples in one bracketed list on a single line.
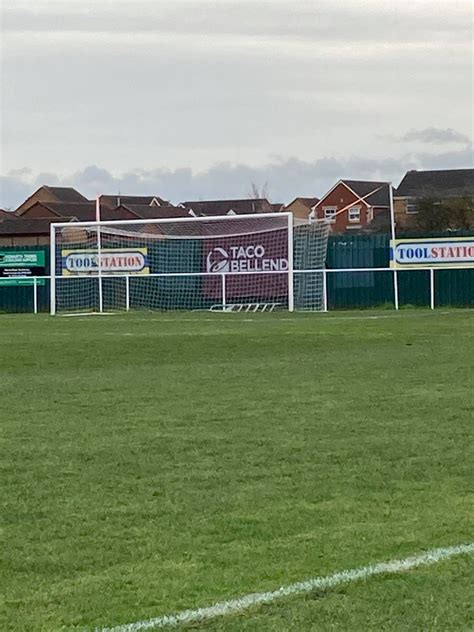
[(83, 212), (66, 195), (33, 226), (352, 205), (439, 185), (27, 232), (301, 207)]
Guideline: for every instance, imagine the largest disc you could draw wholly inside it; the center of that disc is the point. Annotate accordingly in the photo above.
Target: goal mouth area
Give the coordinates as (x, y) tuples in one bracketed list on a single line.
[(240, 262)]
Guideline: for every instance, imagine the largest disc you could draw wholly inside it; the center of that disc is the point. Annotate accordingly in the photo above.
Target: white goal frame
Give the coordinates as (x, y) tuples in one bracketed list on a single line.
[(190, 220)]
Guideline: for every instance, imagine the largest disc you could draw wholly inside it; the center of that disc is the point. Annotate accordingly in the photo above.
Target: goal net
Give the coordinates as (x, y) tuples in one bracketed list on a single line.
[(230, 263)]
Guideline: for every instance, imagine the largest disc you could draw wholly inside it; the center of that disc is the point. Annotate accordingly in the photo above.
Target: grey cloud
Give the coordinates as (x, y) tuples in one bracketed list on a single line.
[(183, 83), (13, 190), (463, 158), (308, 20), (286, 179), (436, 135)]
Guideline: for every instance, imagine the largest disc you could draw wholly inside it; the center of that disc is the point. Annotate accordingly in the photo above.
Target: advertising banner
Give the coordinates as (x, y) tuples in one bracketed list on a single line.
[(112, 260), (442, 252), (18, 266), (259, 257)]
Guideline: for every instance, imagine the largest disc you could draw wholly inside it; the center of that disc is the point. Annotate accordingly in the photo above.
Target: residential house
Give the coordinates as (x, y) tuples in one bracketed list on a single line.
[(301, 207), (82, 212), (112, 201), (142, 211), (27, 232), (227, 207), (7, 214), (352, 205), (66, 195), (33, 226), (439, 185)]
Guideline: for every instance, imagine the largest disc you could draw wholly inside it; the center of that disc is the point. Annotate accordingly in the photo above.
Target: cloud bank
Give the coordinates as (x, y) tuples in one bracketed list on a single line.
[(285, 179), (436, 136)]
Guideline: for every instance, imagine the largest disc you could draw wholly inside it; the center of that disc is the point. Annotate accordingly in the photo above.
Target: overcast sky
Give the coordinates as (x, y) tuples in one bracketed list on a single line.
[(191, 99)]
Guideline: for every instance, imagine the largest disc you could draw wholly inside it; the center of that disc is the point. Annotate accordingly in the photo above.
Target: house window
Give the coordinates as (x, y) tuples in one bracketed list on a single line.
[(370, 214), (354, 214), (412, 208), (330, 213)]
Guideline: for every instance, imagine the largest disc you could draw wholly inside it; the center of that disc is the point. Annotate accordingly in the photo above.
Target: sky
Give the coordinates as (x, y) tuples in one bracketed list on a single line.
[(192, 99)]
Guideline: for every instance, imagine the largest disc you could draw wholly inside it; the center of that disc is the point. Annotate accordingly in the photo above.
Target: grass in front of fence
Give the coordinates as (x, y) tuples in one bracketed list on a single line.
[(154, 463)]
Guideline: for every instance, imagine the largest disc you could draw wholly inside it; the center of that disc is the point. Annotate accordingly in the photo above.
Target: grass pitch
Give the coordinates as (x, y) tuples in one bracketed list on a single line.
[(153, 463)]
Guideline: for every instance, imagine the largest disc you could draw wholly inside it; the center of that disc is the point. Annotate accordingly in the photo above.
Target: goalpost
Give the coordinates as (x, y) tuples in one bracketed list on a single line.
[(229, 263)]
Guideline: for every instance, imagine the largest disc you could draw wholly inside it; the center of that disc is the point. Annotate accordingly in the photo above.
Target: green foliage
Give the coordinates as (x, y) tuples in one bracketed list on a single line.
[(450, 214), (153, 463)]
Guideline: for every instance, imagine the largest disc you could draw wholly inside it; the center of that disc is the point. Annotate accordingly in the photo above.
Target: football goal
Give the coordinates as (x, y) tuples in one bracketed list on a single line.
[(228, 263)]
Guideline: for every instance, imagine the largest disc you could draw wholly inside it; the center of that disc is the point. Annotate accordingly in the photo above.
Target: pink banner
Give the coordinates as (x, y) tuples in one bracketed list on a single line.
[(261, 258)]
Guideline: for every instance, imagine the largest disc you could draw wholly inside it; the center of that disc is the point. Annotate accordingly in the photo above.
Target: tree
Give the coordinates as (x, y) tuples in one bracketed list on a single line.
[(450, 214), (257, 193)]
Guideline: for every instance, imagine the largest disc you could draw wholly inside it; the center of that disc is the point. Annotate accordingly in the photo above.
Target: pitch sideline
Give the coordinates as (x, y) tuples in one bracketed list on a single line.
[(235, 606)]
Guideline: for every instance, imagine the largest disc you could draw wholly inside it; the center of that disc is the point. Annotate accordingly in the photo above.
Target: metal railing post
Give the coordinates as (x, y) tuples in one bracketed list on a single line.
[(325, 290), (395, 288), (223, 291), (35, 295), (127, 292), (432, 288)]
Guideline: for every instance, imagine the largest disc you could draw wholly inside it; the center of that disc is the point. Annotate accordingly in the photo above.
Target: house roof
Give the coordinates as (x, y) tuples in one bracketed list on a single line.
[(85, 212), (7, 214), (362, 188), (445, 182), (144, 211), (116, 200), (66, 194), (82, 211), (61, 194), (24, 226), (277, 207), (222, 207), (308, 202)]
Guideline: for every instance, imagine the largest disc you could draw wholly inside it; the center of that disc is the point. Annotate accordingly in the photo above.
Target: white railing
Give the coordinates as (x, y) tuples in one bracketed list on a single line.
[(38, 281)]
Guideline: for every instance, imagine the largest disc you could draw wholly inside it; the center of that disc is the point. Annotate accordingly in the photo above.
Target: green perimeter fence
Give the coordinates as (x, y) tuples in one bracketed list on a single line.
[(346, 289)]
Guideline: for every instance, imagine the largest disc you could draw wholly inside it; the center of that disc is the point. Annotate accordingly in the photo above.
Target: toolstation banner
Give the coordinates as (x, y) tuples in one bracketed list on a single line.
[(112, 261), (443, 252)]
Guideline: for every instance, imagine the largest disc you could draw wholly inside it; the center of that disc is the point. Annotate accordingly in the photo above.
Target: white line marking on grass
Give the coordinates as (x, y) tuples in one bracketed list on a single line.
[(240, 604)]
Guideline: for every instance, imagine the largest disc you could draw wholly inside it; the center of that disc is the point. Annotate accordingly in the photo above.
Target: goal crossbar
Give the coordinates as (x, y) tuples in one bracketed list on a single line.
[(172, 220)]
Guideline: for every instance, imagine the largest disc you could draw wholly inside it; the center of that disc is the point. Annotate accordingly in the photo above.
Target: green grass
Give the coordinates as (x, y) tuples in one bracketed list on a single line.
[(153, 463)]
